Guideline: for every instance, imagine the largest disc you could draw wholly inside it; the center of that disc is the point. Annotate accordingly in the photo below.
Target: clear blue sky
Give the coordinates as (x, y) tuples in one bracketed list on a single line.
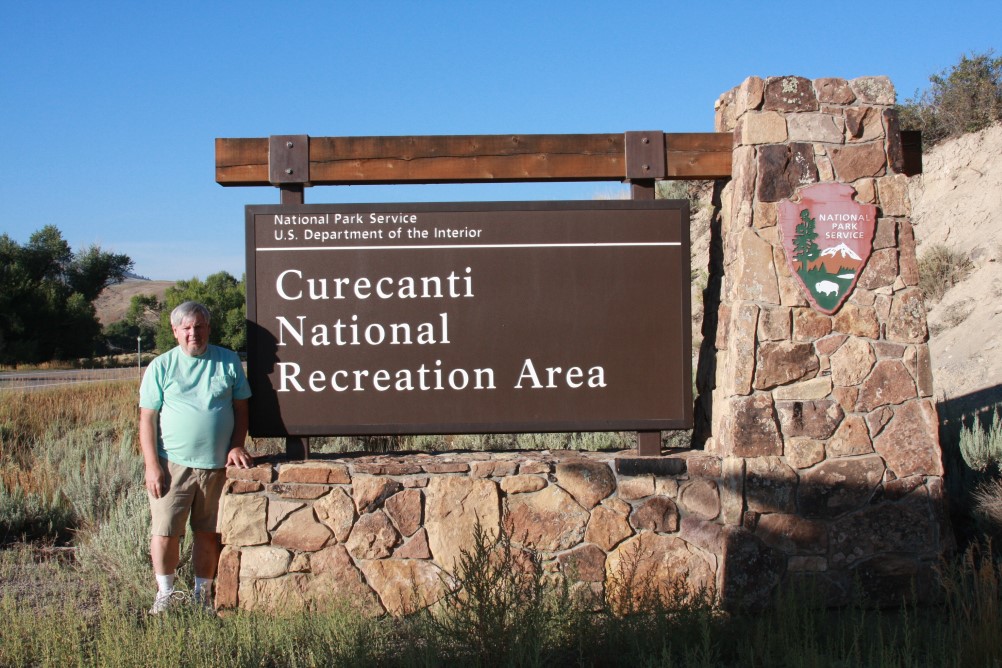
[(109, 110)]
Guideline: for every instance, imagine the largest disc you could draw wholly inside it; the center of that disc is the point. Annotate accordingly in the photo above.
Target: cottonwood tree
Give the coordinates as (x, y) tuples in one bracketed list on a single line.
[(46, 297), (141, 321)]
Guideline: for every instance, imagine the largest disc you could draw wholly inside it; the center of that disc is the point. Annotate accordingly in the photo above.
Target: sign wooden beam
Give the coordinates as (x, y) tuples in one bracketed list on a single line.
[(473, 159)]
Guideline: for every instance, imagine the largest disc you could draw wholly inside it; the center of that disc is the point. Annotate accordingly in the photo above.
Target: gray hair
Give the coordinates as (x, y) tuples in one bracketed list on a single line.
[(186, 309)]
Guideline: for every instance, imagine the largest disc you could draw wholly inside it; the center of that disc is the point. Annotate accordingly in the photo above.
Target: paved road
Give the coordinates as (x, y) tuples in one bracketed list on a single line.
[(32, 380)]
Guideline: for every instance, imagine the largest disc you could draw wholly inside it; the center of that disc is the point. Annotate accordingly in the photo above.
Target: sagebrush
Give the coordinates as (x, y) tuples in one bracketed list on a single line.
[(941, 268), (966, 97)]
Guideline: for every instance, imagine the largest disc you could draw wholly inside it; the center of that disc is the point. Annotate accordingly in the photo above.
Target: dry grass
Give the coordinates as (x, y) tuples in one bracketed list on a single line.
[(988, 508), (65, 454), (940, 268), (28, 419)]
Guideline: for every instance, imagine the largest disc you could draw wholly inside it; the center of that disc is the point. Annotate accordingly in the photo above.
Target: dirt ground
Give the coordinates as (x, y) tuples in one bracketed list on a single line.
[(957, 202)]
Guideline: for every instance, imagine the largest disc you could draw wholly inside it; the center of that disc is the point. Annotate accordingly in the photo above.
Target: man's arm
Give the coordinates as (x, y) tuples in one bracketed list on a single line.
[(148, 444), (238, 456)]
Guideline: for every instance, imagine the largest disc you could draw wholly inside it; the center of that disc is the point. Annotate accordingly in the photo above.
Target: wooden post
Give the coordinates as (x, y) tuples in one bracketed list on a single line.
[(648, 442), (289, 171), (292, 194), (645, 162), (296, 447)]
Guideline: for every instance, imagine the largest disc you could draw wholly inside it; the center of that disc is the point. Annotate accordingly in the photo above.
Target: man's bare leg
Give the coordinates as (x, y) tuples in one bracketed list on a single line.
[(205, 554), (166, 553)]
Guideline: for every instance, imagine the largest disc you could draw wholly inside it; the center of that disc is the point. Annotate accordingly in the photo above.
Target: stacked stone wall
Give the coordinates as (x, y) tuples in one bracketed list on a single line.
[(829, 419), (385, 532)]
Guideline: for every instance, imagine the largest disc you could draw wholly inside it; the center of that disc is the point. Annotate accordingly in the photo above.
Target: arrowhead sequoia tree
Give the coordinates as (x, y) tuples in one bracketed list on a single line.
[(804, 242)]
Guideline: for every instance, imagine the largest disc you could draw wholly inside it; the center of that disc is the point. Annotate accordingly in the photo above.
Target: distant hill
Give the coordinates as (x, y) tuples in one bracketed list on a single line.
[(113, 302)]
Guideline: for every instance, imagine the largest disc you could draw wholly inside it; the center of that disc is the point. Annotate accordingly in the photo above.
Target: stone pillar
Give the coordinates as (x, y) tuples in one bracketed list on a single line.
[(829, 419)]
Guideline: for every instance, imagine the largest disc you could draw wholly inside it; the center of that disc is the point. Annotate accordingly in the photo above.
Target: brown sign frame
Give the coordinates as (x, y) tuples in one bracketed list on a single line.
[(643, 321)]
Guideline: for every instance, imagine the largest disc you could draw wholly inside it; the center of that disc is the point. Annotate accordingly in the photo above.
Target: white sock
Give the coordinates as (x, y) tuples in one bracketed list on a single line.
[(203, 586), (165, 583)]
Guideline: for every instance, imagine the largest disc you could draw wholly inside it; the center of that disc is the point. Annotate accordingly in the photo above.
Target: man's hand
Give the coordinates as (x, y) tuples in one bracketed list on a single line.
[(155, 483), (240, 458)]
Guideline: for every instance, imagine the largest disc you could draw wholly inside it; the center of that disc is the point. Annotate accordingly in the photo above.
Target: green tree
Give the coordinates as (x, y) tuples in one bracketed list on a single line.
[(223, 295), (964, 98), (805, 248), (141, 321), (92, 270), (144, 310), (47, 294)]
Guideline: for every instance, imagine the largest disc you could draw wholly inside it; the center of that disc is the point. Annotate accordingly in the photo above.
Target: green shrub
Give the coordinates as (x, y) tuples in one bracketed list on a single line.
[(96, 473), (30, 516), (117, 552), (940, 268), (494, 611), (981, 446), (675, 189), (964, 98)]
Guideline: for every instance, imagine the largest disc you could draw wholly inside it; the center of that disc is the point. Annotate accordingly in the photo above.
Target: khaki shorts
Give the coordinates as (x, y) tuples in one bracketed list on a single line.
[(193, 492)]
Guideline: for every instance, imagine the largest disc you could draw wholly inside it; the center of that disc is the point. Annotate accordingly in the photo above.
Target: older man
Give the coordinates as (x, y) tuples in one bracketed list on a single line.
[(192, 425)]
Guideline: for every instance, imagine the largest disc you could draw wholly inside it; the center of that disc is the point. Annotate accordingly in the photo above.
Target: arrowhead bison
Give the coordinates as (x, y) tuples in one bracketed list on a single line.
[(827, 288)]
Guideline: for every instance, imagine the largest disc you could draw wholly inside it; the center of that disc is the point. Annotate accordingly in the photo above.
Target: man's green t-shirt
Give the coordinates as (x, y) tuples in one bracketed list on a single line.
[(194, 396)]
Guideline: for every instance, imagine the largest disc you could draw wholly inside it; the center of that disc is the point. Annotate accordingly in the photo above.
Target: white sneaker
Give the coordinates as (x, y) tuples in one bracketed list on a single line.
[(166, 601)]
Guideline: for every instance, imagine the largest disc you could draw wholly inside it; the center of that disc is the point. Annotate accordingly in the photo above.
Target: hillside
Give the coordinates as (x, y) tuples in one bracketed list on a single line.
[(113, 302), (957, 202)]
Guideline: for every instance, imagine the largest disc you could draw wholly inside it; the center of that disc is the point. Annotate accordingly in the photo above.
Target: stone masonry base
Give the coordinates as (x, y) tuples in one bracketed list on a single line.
[(383, 532)]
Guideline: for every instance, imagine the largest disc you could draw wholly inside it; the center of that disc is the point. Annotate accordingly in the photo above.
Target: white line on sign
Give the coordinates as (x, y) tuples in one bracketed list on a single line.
[(464, 246)]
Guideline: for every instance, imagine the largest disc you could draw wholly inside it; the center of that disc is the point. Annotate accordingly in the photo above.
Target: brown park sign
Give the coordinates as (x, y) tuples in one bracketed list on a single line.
[(468, 318), (828, 237)]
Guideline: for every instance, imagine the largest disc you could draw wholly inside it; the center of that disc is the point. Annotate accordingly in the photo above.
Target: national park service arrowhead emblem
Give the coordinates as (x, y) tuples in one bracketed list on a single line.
[(828, 238)]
